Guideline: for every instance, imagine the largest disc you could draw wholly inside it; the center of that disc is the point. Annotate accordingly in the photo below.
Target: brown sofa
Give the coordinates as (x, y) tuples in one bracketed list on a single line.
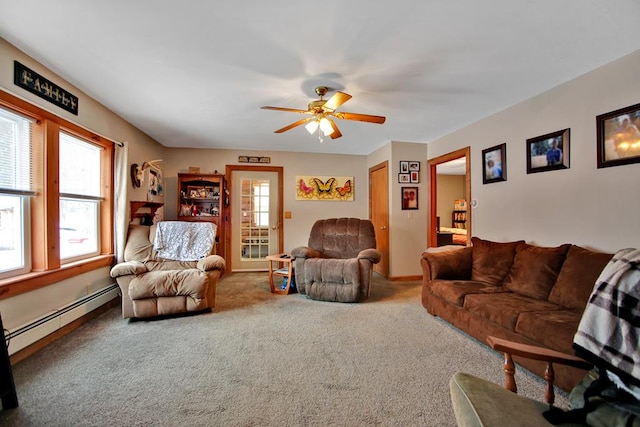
[(513, 290), (154, 286)]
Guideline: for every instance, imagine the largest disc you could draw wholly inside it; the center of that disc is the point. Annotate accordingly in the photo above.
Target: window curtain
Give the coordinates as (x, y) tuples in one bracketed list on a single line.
[(120, 205)]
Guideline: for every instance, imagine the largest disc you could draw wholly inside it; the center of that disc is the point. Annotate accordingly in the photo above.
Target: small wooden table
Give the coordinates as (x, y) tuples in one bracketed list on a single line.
[(286, 271)]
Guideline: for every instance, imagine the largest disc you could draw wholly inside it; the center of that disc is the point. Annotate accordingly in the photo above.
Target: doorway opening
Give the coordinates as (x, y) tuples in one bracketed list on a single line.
[(450, 194), (255, 216)]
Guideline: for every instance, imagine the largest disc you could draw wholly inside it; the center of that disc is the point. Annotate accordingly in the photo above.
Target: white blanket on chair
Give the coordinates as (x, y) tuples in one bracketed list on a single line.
[(184, 241)]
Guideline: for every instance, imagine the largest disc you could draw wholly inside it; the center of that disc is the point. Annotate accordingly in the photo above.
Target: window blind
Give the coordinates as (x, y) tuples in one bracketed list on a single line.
[(16, 152)]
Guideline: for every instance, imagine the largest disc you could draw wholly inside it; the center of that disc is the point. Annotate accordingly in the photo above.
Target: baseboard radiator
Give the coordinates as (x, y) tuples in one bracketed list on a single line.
[(27, 334)]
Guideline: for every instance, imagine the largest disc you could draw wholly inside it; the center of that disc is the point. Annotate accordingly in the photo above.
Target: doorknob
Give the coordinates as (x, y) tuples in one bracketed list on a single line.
[(384, 227)]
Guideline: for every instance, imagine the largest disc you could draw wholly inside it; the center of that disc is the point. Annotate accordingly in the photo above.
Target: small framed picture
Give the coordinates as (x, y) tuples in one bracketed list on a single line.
[(409, 198), (404, 166), (548, 152), (404, 178), (494, 164), (414, 166), (415, 177), (618, 137)]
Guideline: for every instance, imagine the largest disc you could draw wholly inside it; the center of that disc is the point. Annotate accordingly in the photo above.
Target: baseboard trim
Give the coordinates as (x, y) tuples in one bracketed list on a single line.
[(30, 350), (404, 278)]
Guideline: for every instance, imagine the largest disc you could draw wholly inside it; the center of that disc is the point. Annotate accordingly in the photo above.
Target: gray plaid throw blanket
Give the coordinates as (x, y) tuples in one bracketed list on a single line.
[(609, 330)]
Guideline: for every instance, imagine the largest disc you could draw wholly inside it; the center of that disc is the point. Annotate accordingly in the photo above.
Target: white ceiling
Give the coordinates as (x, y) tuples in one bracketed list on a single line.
[(195, 73)]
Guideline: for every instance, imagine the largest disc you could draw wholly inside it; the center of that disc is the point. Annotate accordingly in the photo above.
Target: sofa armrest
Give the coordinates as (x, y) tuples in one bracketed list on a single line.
[(510, 348), (453, 265), (305, 252), (127, 268), (211, 262), (371, 254)]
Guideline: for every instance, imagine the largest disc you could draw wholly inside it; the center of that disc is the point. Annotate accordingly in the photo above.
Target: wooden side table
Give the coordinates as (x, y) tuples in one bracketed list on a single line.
[(285, 271)]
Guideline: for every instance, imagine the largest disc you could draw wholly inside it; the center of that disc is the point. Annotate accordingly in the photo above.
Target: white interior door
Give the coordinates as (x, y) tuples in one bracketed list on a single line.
[(254, 225)]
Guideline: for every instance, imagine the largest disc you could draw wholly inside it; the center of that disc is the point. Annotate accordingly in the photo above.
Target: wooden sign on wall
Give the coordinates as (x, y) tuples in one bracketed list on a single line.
[(44, 88)]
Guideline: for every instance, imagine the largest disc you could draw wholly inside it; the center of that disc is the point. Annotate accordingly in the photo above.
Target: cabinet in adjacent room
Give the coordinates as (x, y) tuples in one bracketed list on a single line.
[(201, 197)]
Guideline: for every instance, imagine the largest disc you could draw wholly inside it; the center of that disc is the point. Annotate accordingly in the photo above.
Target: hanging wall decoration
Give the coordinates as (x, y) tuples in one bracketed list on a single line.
[(618, 137), (28, 79), (338, 188)]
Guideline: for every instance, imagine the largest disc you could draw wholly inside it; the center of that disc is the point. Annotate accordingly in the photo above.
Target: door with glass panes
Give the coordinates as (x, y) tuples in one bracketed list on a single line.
[(255, 219)]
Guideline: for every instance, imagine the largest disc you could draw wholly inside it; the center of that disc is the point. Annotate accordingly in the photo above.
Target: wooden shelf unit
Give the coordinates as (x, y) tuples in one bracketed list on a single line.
[(136, 205), (459, 219), (201, 197)]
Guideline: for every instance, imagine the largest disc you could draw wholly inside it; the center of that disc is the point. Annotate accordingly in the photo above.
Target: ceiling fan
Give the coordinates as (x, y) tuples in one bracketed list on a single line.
[(322, 113)]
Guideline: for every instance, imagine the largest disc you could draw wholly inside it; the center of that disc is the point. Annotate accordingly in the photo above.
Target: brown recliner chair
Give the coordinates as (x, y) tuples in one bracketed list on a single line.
[(338, 263), (155, 286)]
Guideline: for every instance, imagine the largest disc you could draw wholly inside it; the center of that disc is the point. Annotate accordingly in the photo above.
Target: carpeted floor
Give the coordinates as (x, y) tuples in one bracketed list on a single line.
[(259, 359)]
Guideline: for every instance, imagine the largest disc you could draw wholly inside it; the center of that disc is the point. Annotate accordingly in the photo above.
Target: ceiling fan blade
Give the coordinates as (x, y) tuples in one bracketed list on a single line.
[(336, 132), (292, 125), (290, 110), (336, 100), (360, 117)]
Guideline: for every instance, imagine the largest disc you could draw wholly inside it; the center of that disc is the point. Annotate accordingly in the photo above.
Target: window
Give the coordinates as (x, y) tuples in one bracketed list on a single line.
[(15, 192), (79, 197), (255, 214), (56, 200)]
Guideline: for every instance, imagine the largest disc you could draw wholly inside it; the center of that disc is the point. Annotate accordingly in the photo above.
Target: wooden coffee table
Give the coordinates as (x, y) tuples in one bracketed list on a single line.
[(285, 271)]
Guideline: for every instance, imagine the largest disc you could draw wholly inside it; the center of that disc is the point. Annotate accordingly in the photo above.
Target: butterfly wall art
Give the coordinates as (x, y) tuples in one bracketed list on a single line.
[(332, 188)]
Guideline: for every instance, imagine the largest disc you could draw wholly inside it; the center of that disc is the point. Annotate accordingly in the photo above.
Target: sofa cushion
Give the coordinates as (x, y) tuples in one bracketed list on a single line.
[(577, 277), (553, 329), (192, 283), (505, 307), (170, 265), (454, 264), (334, 270), (342, 237), (535, 270), (138, 246), (478, 402), (454, 291), (492, 260)]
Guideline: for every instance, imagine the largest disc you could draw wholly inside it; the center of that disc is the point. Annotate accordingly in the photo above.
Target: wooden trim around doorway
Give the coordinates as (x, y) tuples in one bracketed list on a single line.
[(432, 237)]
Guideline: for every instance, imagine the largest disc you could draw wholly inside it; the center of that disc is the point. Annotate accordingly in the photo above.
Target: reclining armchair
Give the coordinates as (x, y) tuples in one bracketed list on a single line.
[(337, 265), (177, 275)]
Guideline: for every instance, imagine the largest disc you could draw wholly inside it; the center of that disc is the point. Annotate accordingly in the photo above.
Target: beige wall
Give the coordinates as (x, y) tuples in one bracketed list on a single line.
[(450, 188), (95, 117), (303, 213), (408, 228), (583, 205)]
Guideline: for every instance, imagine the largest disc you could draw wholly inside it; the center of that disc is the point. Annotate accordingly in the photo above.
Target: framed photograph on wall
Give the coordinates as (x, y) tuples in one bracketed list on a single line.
[(494, 164), (404, 178), (548, 152), (404, 166), (415, 177), (409, 198), (414, 166), (619, 137)]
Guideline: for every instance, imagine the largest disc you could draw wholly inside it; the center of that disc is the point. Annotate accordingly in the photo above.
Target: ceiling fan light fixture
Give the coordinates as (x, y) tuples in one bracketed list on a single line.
[(323, 112), (312, 126), (325, 126)]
